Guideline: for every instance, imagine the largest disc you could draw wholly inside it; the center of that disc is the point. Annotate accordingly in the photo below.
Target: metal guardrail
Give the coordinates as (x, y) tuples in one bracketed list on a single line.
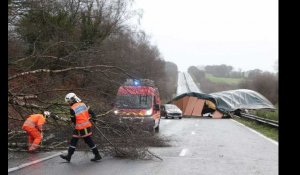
[(259, 119)]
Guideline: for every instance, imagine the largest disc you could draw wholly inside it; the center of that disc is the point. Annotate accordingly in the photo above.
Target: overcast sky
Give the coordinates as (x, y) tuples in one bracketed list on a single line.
[(240, 33)]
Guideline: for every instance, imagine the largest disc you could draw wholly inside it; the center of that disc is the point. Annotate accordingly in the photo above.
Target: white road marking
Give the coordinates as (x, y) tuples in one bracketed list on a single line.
[(183, 152), (273, 141), (34, 162), (193, 132)]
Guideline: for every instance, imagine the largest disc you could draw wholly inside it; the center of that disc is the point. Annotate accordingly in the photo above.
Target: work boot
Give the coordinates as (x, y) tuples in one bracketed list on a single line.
[(33, 148), (97, 155), (32, 151), (69, 155), (66, 157)]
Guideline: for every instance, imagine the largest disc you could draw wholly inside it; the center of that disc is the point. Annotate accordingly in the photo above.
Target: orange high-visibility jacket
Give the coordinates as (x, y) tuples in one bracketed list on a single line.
[(35, 121), (81, 115)]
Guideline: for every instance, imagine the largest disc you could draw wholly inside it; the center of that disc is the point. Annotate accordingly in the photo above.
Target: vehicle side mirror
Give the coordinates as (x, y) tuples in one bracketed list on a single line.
[(156, 107)]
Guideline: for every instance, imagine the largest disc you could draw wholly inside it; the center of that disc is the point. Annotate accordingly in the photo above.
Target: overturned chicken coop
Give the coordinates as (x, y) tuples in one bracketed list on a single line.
[(221, 104)]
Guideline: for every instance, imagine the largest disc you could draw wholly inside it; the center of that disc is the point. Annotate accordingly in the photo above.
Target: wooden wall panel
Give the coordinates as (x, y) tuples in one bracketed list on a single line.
[(190, 106), (185, 102), (198, 107)]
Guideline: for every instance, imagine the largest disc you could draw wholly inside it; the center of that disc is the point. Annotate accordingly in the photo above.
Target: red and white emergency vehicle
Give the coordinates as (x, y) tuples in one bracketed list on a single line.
[(138, 99)]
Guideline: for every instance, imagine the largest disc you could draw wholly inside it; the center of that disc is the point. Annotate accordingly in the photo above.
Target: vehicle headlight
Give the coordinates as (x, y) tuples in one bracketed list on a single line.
[(116, 112), (148, 112)]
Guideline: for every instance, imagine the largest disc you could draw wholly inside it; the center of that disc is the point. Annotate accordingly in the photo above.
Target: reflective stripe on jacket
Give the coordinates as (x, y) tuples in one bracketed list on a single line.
[(35, 121), (81, 115)]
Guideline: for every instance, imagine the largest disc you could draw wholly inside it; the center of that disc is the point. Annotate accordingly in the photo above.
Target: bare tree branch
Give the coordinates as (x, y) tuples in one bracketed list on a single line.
[(23, 104), (65, 70), (26, 97)]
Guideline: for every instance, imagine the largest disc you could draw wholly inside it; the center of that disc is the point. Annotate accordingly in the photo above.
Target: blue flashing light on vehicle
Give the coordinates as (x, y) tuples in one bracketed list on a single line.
[(136, 82)]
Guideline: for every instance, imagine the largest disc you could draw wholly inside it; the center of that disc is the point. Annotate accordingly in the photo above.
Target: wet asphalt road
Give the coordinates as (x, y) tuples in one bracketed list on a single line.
[(199, 146)]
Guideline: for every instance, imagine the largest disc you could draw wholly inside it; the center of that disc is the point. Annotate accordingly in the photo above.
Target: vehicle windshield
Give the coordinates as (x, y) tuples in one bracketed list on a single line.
[(171, 107), (134, 101)]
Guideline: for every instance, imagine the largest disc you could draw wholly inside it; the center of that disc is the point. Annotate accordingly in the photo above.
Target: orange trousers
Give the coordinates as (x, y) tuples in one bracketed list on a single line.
[(34, 137)]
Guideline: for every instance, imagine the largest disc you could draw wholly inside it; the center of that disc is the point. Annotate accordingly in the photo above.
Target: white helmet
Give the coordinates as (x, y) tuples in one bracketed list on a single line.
[(47, 114), (72, 98)]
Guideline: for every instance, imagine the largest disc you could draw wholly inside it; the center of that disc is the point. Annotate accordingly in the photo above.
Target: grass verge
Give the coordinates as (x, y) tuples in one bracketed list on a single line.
[(267, 131), (273, 115)]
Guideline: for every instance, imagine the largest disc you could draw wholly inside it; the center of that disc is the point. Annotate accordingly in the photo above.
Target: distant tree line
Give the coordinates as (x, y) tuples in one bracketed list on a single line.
[(219, 70), (170, 81), (265, 83), (83, 46)]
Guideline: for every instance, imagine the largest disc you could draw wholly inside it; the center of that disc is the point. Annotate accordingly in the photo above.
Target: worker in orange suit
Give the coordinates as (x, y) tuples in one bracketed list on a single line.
[(34, 127), (80, 116)]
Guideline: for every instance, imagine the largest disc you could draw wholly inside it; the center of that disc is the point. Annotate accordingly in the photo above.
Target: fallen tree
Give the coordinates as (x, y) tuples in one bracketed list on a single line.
[(125, 139), (85, 47)]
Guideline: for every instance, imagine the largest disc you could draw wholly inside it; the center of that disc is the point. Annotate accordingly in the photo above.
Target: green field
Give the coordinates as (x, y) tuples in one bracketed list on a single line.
[(223, 80)]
